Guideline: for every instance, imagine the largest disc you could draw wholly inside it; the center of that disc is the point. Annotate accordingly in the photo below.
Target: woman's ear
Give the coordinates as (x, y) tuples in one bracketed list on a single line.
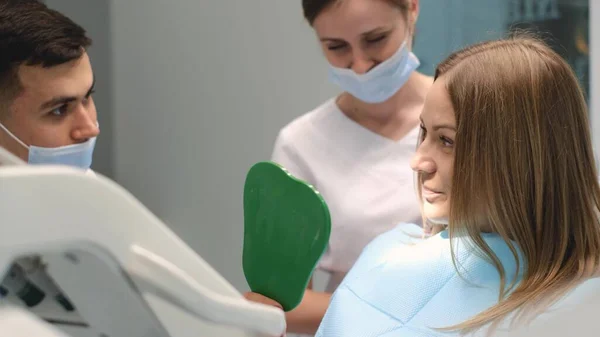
[(414, 12)]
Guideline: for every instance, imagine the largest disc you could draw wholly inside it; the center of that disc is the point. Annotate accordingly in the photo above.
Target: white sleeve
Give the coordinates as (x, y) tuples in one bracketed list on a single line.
[(287, 155)]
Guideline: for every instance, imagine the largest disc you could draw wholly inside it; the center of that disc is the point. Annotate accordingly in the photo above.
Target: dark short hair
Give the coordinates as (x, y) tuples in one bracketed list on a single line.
[(32, 34)]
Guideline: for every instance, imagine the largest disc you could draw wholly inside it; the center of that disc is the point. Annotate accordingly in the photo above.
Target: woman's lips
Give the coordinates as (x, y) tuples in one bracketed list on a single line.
[(430, 195)]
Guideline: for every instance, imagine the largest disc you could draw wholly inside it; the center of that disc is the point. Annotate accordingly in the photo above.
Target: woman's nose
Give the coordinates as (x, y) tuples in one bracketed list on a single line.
[(361, 63), (422, 163)]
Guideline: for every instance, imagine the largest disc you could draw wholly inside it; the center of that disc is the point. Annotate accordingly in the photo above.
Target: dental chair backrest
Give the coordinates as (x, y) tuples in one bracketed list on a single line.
[(575, 314), (124, 271)]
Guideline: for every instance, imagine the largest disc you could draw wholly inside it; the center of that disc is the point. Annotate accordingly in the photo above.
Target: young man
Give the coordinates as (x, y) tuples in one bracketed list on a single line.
[(47, 114)]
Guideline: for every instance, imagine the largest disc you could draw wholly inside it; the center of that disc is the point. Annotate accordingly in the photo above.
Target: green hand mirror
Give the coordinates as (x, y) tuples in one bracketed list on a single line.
[(286, 231)]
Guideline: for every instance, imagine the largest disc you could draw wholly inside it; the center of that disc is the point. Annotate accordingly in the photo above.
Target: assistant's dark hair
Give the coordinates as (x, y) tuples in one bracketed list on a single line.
[(312, 8)]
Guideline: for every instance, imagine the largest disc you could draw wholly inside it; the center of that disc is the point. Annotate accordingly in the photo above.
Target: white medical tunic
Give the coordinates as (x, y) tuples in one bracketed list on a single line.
[(365, 179)]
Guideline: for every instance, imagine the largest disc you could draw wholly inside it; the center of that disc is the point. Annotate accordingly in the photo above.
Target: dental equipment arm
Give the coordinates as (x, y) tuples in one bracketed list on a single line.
[(121, 271), (17, 322)]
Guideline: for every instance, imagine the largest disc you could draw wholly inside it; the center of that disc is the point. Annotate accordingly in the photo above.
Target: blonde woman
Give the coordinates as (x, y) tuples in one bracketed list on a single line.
[(505, 163)]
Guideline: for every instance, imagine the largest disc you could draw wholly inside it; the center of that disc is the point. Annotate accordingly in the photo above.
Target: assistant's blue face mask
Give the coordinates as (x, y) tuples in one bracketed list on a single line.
[(381, 82), (76, 155)]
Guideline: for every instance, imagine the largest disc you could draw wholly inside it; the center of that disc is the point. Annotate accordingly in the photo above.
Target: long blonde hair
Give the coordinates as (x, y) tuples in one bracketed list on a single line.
[(524, 168)]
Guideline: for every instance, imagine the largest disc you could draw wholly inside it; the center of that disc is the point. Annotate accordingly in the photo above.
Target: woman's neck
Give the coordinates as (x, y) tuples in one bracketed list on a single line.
[(395, 117)]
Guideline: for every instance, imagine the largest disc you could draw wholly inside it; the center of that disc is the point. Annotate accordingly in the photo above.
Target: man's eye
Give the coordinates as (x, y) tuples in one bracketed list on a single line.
[(89, 95), (61, 110)]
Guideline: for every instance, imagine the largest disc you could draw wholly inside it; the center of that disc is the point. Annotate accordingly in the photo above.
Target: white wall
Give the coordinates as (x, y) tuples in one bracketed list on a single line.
[(192, 93), (201, 89)]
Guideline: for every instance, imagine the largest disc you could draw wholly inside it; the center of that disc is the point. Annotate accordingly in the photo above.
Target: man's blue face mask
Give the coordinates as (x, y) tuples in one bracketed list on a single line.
[(76, 155)]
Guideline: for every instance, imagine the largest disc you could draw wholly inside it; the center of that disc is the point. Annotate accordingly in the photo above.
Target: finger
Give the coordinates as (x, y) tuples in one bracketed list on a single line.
[(254, 297)]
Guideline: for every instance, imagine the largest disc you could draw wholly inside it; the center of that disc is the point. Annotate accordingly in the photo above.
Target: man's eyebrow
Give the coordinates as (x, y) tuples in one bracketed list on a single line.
[(91, 87), (60, 100), (56, 101)]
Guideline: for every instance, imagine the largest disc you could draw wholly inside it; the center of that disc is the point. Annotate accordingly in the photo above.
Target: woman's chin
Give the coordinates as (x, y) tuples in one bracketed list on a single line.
[(436, 215)]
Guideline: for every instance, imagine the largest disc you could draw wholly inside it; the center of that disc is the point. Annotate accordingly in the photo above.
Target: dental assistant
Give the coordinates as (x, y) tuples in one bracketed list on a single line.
[(355, 148)]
